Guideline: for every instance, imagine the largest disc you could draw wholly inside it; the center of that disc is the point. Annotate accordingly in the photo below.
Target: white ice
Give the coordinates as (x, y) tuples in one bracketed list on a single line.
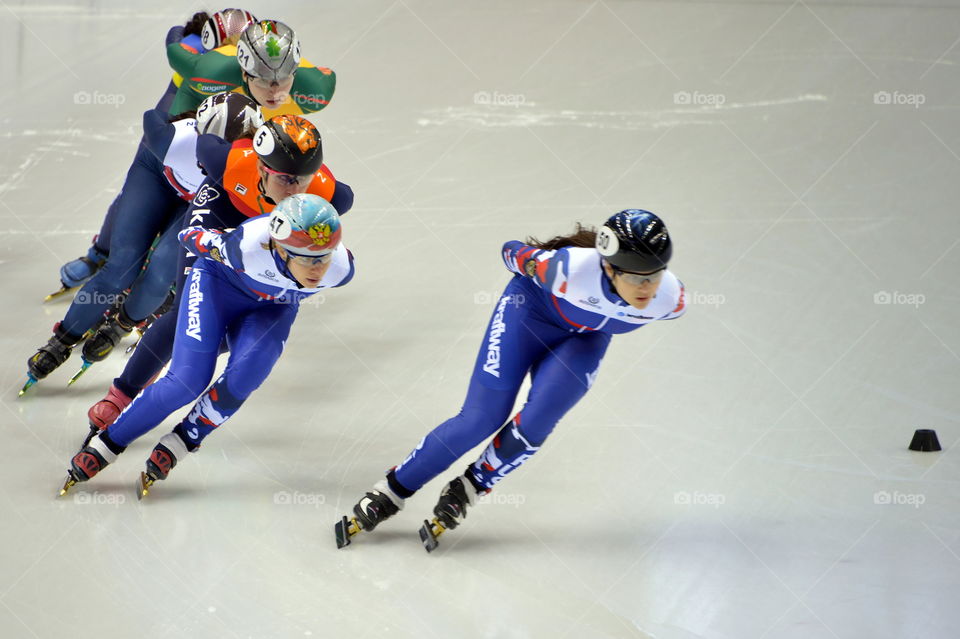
[(726, 476)]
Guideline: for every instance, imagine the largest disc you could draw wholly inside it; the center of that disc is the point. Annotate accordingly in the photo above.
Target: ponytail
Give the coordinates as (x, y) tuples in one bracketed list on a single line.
[(582, 237), (194, 25)]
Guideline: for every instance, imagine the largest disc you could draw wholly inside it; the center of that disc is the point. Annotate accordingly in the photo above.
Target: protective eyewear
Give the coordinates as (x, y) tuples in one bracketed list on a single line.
[(289, 179), (266, 85), (310, 260), (639, 279)]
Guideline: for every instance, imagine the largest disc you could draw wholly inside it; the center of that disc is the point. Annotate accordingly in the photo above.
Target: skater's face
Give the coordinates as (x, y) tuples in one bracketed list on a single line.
[(308, 272), (269, 95), (636, 289), (277, 186)]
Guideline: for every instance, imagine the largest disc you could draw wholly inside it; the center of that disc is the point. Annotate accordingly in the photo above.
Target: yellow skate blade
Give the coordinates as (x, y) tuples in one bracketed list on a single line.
[(67, 485), (83, 369), (143, 485)]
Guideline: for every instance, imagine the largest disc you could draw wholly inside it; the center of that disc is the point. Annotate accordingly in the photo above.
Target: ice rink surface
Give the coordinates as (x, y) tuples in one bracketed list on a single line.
[(741, 473)]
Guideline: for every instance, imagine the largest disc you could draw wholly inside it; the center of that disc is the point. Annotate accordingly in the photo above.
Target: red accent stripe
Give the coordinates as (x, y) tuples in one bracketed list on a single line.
[(568, 320), (213, 81), (681, 304), (184, 193), (488, 467)]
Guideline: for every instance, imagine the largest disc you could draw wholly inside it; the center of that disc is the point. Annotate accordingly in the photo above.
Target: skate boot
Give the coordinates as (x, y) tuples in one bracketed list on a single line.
[(153, 317), (450, 511), (377, 505), (164, 457), (114, 328), (88, 462), (49, 356), (78, 271), (106, 411)]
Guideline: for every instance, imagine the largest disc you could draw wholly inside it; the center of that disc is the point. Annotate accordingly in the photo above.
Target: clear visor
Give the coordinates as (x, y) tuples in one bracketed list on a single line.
[(309, 260), (287, 178), (265, 84), (639, 279)]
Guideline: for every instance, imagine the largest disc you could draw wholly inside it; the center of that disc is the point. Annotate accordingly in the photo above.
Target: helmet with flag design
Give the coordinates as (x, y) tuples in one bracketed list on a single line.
[(305, 225)]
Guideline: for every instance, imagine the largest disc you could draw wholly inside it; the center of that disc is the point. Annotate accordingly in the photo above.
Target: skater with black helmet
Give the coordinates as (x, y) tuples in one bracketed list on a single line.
[(554, 320), (158, 189)]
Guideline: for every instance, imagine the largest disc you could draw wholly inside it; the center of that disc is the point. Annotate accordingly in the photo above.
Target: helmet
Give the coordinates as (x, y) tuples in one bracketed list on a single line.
[(269, 50), (289, 144), (224, 25), (635, 240), (228, 115), (305, 224)]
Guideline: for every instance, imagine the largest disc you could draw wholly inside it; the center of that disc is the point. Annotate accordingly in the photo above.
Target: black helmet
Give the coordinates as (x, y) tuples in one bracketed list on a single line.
[(228, 115), (289, 144), (635, 240)]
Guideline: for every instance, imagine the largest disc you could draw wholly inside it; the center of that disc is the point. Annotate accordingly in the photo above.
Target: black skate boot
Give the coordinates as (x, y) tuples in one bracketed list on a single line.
[(114, 328), (88, 462), (50, 356), (377, 505), (451, 509), (164, 457), (145, 324)]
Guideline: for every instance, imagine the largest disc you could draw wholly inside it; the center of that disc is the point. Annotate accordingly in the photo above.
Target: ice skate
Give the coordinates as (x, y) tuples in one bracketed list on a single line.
[(103, 340), (450, 511), (106, 411), (376, 506), (76, 272), (164, 457), (87, 463), (49, 357)]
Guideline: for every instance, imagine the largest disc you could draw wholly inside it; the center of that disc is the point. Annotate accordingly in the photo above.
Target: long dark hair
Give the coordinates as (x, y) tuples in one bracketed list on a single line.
[(192, 113), (582, 237), (194, 25)]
